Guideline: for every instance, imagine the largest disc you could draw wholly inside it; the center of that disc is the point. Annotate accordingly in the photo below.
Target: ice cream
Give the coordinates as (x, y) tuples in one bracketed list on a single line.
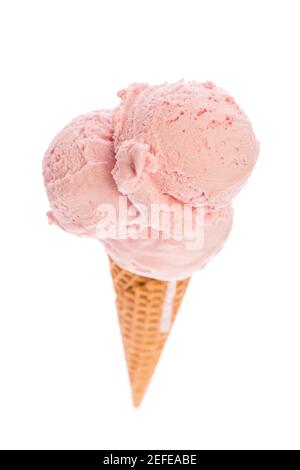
[(186, 146), (171, 259), (77, 171), (188, 142)]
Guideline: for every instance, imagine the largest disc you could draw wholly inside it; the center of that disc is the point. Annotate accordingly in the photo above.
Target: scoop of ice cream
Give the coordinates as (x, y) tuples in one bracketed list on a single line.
[(170, 259), (187, 142), (77, 173)]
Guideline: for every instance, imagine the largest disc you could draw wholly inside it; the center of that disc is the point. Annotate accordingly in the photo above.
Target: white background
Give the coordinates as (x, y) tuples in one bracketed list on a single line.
[(229, 376)]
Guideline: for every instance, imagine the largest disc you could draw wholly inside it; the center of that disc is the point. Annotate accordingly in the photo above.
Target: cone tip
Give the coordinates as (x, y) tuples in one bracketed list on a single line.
[(137, 399)]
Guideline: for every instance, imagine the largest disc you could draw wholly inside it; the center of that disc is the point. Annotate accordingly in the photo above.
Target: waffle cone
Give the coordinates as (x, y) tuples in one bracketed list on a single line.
[(146, 309)]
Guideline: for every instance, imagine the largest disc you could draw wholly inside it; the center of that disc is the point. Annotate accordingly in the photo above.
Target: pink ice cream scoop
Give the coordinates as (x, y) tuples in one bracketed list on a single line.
[(188, 142), (171, 259), (77, 173)]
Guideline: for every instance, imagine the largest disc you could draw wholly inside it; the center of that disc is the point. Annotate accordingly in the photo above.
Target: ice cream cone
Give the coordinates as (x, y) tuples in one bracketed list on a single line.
[(147, 309)]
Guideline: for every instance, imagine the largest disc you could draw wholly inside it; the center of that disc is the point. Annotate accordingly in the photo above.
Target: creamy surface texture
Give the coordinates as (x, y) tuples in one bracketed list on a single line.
[(171, 259), (188, 141), (183, 144), (77, 173)]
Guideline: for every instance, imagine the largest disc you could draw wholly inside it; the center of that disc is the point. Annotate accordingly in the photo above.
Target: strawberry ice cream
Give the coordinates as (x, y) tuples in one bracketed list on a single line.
[(185, 144), (77, 173), (186, 141), (171, 259)]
